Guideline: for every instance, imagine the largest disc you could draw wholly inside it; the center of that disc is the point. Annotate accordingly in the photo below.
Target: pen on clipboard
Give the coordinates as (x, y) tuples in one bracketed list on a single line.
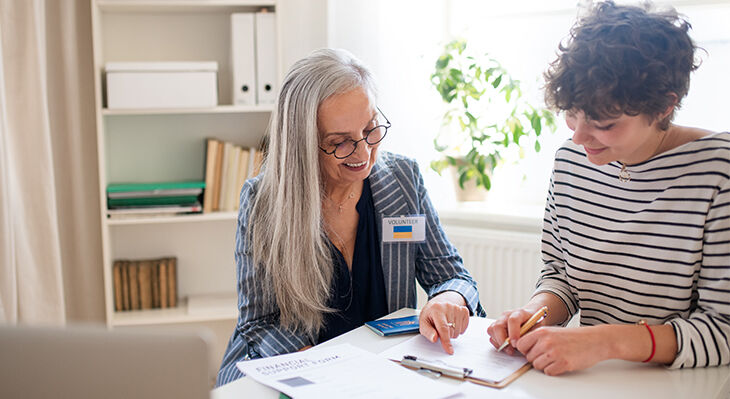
[(536, 318), (436, 366)]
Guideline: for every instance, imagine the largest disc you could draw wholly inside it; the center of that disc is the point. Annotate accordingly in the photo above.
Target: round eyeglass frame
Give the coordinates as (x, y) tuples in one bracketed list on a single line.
[(386, 126)]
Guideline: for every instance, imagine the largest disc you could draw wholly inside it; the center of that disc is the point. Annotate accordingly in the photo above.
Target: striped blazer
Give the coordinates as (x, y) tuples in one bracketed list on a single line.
[(397, 189)]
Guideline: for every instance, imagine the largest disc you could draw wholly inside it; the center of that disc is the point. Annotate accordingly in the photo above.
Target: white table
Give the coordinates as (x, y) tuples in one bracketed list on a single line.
[(611, 379)]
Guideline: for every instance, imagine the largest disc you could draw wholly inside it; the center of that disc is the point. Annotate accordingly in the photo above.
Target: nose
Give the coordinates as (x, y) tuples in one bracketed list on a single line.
[(362, 149), (581, 131)]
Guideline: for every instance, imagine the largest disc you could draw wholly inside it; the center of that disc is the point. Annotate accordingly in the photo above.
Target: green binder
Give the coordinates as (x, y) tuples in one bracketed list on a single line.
[(148, 201), (124, 187)]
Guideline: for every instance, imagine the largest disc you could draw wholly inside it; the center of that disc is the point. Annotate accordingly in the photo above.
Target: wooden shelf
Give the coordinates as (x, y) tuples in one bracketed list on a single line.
[(217, 308), (221, 109), (182, 5), (192, 218)]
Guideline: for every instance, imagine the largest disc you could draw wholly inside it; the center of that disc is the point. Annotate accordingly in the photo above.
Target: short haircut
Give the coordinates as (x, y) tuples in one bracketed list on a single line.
[(622, 60)]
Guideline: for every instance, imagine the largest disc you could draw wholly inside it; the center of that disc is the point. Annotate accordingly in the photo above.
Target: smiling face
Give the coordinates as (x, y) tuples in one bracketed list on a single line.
[(628, 139), (346, 116)]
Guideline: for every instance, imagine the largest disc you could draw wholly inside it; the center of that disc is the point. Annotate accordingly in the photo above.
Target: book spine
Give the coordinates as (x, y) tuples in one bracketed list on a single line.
[(243, 162), (163, 283), (117, 277), (225, 170), (125, 285), (217, 178), (172, 282), (145, 284), (210, 160), (133, 286), (156, 284)]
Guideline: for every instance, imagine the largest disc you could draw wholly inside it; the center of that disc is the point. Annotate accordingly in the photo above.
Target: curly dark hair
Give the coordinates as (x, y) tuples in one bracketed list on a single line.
[(623, 60)]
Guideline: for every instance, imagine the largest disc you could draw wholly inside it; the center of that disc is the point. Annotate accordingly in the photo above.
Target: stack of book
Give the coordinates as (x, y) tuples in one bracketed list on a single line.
[(227, 166), (153, 199), (145, 284)]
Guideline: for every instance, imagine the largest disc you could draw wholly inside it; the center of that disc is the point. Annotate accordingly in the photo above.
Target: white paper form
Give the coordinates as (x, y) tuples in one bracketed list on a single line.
[(342, 371), (471, 350)]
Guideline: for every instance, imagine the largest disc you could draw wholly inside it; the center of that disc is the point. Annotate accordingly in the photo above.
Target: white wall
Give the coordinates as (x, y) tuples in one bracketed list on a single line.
[(303, 28)]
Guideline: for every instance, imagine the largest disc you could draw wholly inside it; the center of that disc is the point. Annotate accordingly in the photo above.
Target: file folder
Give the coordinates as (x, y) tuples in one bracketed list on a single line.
[(243, 56), (266, 70)]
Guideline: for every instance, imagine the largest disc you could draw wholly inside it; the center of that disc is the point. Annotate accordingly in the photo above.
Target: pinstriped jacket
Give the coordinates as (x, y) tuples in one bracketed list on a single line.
[(397, 189)]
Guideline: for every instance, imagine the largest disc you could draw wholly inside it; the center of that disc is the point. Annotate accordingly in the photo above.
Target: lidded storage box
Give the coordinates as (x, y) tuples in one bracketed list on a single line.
[(132, 85)]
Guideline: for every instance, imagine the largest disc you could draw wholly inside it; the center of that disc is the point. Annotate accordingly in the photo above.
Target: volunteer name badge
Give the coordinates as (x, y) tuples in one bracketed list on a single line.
[(411, 228)]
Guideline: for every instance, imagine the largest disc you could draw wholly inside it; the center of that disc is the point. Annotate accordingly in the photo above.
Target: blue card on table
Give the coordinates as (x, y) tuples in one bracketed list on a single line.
[(400, 325)]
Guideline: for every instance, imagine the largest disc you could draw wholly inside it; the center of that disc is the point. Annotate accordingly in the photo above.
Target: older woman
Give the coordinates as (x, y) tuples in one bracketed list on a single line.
[(637, 222), (333, 234)]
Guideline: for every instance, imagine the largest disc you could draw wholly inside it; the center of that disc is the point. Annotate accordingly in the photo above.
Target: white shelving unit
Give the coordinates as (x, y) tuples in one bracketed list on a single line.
[(148, 145)]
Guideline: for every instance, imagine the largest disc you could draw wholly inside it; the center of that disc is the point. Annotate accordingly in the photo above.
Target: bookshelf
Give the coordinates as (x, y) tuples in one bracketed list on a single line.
[(149, 145)]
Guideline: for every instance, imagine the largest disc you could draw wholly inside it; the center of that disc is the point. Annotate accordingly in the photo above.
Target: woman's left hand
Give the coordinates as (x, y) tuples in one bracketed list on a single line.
[(556, 350), (445, 316)]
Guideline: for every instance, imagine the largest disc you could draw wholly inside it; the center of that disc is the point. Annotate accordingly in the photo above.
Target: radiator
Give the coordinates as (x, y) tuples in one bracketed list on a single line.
[(504, 264)]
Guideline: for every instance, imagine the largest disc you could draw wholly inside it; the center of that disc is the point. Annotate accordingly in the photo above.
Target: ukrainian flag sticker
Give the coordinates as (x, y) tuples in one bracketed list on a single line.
[(402, 231), (410, 228)]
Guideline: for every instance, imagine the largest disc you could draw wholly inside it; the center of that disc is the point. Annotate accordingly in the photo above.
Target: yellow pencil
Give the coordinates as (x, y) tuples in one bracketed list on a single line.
[(539, 315)]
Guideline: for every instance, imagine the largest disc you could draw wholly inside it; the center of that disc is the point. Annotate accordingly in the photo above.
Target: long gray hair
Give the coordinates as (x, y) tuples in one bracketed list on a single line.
[(288, 240)]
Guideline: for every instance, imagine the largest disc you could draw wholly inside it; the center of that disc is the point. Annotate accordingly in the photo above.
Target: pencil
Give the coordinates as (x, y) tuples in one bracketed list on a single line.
[(539, 315)]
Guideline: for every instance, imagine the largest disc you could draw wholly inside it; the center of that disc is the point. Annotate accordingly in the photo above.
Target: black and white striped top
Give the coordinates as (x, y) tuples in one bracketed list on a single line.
[(656, 247)]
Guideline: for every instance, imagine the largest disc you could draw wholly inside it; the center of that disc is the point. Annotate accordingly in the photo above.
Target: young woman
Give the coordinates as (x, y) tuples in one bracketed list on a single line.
[(637, 224)]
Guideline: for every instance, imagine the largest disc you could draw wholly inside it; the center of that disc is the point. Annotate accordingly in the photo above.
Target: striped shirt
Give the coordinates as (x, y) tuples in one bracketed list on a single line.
[(656, 247)]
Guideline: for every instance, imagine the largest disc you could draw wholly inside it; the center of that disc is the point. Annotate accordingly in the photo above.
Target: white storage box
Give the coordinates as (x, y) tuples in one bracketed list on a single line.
[(132, 85)]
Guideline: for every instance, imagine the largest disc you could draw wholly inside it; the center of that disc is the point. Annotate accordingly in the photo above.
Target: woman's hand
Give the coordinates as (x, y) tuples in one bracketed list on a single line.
[(556, 350), (445, 316), (511, 321), (509, 325)]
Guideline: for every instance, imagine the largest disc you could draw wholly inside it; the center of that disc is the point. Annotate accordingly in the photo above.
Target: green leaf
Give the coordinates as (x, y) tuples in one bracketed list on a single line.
[(443, 61), (462, 179), (472, 119), (439, 166), (537, 146), (492, 161), (457, 75), (497, 81), (535, 122), (486, 182), (517, 132)]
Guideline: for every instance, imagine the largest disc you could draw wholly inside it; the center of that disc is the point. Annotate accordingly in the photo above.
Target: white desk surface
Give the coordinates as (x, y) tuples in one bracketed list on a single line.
[(610, 379)]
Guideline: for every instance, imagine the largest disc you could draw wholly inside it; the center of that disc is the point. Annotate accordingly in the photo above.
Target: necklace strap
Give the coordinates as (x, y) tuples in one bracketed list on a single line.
[(341, 205)]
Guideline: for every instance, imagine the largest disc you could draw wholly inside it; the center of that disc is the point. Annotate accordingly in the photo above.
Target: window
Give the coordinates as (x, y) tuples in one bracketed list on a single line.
[(401, 40)]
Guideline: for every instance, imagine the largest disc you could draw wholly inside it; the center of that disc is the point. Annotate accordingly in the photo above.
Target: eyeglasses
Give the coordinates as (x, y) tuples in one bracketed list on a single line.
[(346, 148)]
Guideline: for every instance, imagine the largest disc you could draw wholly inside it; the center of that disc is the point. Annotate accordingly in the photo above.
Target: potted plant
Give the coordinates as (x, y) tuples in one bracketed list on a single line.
[(487, 115)]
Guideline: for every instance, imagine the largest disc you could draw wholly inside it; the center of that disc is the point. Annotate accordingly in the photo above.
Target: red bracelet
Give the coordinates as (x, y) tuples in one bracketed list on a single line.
[(653, 341)]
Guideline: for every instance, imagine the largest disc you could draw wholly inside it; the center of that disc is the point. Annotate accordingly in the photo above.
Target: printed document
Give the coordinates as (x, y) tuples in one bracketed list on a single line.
[(342, 371), (471, 350)]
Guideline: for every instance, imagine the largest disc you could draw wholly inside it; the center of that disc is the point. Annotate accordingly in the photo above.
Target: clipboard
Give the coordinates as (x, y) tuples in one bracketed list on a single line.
[(439, 370), (471, 350)]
